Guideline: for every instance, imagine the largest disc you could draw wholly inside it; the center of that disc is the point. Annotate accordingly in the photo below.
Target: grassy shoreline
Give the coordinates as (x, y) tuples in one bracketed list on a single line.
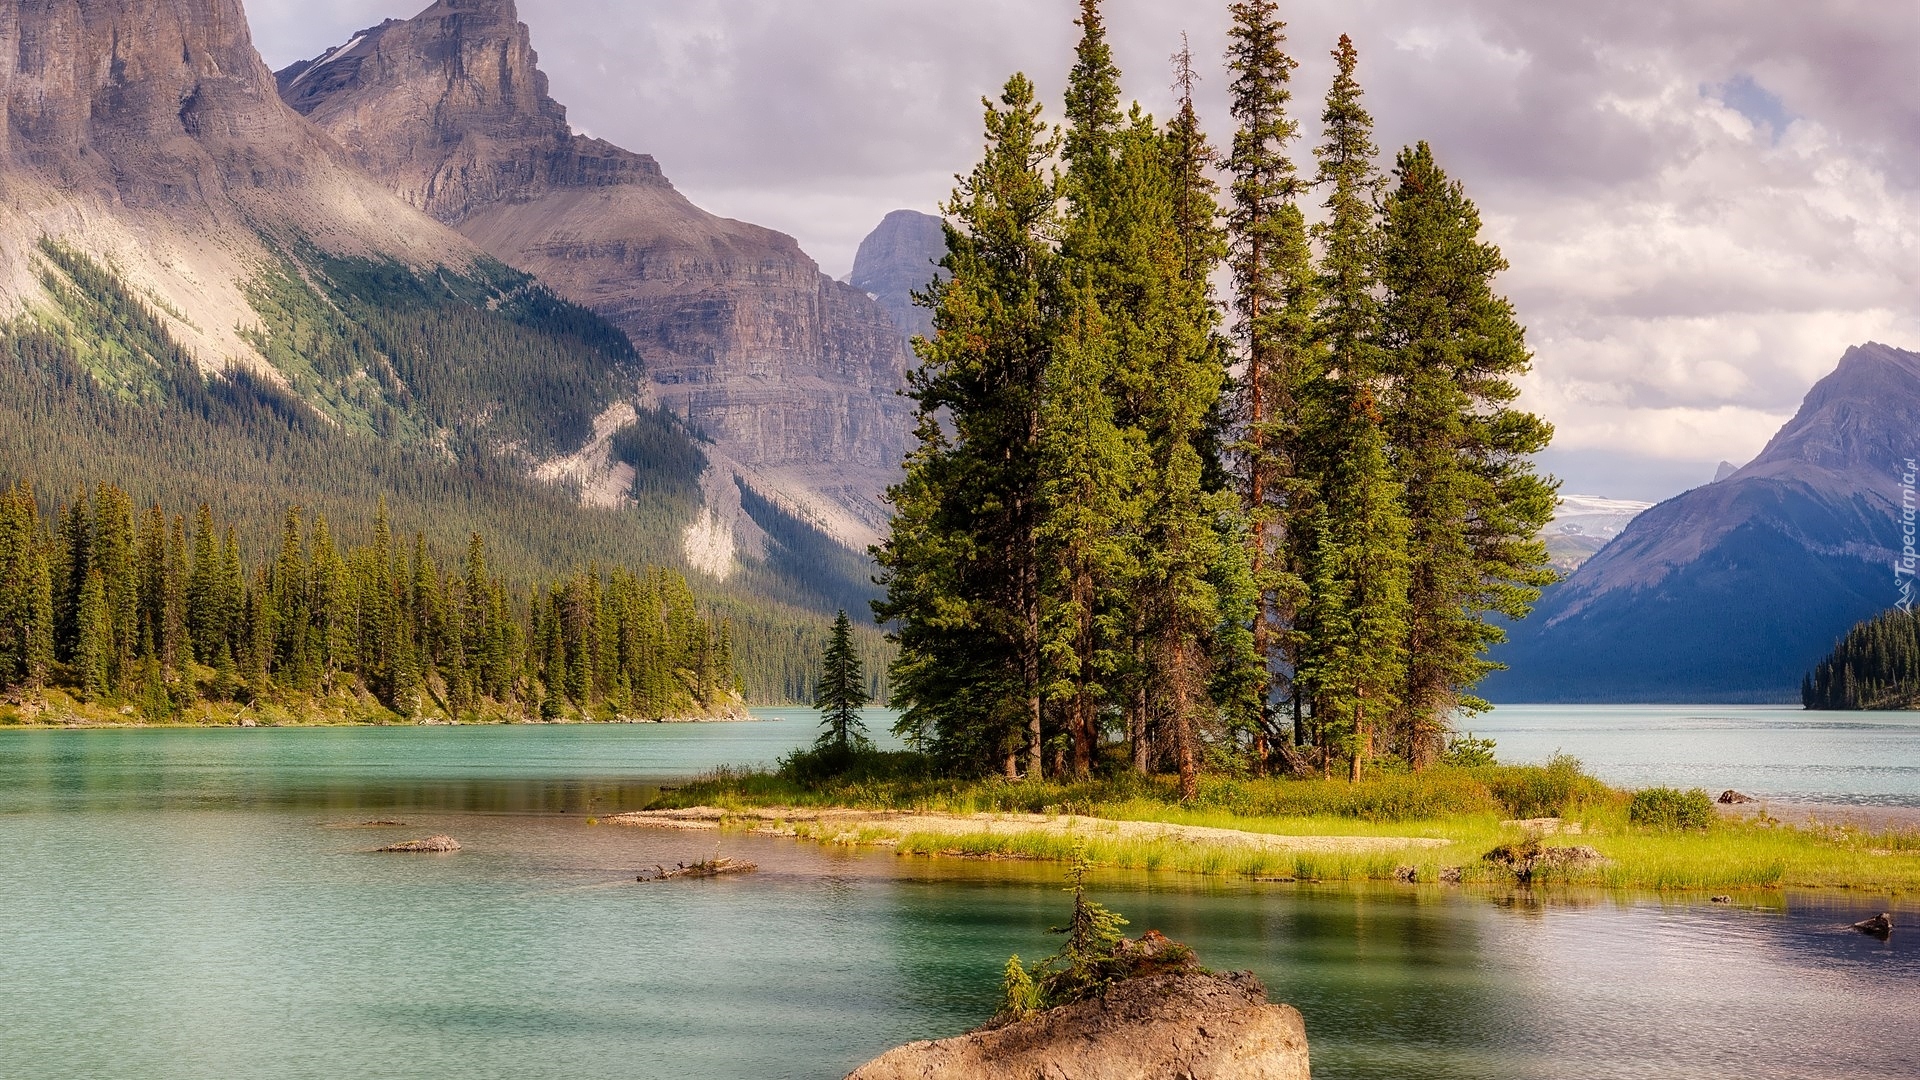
[(54, 710), (1472, 811)]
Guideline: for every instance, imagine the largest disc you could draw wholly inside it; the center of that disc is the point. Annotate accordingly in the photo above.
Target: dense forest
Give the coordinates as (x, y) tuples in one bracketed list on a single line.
[(431, 390), (1275, 532), (1876, 666), (151, 610)]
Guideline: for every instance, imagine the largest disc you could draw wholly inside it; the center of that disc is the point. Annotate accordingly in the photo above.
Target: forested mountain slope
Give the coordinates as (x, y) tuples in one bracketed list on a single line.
[(793, 375), (1731, 592)]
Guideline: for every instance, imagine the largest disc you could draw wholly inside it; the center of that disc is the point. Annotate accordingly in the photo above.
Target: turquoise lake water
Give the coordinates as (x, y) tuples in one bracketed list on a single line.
[(200, 904)]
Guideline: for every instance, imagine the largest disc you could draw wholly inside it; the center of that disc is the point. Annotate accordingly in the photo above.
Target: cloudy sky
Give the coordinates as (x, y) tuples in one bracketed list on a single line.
[(1704, 201)]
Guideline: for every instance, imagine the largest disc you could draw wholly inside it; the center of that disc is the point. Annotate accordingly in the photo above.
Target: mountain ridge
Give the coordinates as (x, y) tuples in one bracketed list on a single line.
[(792, 375), (1731, 591)]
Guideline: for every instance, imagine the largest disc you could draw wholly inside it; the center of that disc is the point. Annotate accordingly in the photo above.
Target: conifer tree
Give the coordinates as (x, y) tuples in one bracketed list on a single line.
[(960, 564), (1462, 453), (1351, 638), (114, 556), (1085, 460), (1206, 668), (841, 693), (205, 620), (93, 647), (1273, 304)]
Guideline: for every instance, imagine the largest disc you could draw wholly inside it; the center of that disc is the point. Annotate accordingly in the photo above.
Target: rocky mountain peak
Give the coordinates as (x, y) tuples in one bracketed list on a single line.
[(149, 133), (451, 108), (898, 259), (1731, 591), (792, 375)]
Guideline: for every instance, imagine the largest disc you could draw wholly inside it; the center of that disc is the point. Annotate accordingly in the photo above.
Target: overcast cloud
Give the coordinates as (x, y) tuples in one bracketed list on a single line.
[(1704, 202)]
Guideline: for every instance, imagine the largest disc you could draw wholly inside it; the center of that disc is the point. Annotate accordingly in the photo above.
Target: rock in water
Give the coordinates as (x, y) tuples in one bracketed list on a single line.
[(1189, 1025), (1731, 797), (432, 844), (1880, 925)]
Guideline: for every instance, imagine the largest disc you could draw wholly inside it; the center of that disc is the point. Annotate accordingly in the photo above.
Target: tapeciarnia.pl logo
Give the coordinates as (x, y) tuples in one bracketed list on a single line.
[(1909, 560)]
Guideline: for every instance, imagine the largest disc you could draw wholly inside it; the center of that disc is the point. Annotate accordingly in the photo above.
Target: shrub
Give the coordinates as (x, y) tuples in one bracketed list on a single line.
[(1533, 791), (1669, 808), (819, 766), (1467, 752)]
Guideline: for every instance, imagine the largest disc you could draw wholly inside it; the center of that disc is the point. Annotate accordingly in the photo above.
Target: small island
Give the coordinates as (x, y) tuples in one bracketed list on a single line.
[(1118, 1009)]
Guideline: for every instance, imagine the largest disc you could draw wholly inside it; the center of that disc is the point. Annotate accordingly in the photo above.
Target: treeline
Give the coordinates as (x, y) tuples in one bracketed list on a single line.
[(146, 609), (94, 387), (1273, 531), (1876, 666)]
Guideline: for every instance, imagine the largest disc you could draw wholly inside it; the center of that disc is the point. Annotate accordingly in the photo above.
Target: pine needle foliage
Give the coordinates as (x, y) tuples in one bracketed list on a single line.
[(841, 693)]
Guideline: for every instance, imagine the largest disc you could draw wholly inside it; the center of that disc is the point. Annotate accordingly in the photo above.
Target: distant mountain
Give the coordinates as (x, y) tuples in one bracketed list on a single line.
[(1731, 592), (793, 376), (1584, 524), (896, 260)]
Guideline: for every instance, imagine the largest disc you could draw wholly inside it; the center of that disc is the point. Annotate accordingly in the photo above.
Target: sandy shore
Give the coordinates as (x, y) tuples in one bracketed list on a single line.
[(1802, 812), (883, 827)]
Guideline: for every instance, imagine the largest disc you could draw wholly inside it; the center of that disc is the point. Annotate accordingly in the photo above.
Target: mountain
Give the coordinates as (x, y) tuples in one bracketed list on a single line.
[(793, 376), (149, 134), (1584, 524), (1731, 592), (899, 258), (204, 298)]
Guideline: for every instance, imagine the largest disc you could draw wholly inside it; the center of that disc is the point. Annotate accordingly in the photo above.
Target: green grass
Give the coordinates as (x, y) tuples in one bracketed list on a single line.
[(1474, 810)]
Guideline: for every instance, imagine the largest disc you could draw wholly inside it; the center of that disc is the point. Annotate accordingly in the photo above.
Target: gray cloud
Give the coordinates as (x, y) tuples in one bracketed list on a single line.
[(1704, 202)]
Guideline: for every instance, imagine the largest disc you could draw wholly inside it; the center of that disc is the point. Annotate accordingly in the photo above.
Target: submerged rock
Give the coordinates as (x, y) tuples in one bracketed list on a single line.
[(1880, 925), (431, 845), (709, 868), (1188, 1024)]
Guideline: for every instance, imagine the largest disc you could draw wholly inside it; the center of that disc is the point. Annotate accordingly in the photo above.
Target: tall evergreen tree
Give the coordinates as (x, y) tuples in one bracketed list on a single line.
[(841, 693), (1273, 304), (1463, 454), (960, 564), (1350, 639)]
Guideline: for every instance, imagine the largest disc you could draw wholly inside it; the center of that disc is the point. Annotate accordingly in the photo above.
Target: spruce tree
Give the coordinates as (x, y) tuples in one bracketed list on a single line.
[(1474, 504), (1350, 639), (841, 693), (960, 564), (1273, 303), (93, 645)]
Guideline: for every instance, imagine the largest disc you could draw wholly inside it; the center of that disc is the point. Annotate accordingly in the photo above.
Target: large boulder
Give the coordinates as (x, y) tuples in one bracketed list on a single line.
[(1190, 1025)]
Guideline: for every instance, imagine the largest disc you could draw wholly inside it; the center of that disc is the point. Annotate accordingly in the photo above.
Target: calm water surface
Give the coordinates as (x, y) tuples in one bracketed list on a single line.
[(200, 904)]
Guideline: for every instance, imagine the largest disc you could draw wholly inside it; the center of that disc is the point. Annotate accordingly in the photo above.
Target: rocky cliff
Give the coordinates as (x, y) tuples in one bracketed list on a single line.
[(1732, 591), (1200, 1027), (899, 258), (792, 375), (149, 135)]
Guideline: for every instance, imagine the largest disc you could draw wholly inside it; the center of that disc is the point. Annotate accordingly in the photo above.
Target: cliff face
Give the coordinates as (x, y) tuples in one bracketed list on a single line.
[(1732, 591), (149, 134), (899, 258), (794, 376)]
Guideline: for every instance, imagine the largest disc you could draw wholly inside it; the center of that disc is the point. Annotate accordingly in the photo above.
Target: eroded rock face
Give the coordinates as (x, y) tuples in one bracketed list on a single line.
[(898, 259), (149, 134), (1199, 1027), (792, 374)]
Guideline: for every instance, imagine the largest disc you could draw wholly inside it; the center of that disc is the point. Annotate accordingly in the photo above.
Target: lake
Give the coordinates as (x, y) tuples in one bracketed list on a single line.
[(200, 904)]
